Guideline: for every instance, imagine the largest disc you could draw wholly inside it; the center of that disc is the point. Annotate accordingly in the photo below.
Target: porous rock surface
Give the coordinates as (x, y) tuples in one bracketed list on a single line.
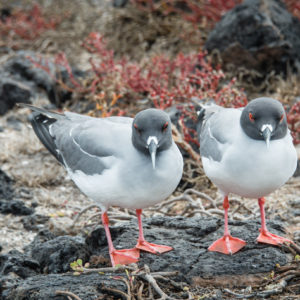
[(21, 79), (8, 203), (258, 34), (26, 276)]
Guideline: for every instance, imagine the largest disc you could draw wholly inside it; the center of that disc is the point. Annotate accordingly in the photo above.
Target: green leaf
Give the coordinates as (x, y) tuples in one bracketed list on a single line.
[(73, 265), (79, 262)]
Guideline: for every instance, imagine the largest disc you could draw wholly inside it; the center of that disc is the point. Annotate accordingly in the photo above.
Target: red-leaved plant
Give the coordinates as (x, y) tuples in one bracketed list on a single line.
[(205, 12), (180, 81), (27, 24)]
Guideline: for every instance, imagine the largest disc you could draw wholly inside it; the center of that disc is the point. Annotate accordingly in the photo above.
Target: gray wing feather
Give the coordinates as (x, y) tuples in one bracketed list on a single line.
[(88, 144), (216, 131)]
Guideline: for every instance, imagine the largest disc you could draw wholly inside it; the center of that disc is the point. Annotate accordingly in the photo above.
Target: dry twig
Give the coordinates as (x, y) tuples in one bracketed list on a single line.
[(116, 291), (82, 212), (68, 294), (154, 284)]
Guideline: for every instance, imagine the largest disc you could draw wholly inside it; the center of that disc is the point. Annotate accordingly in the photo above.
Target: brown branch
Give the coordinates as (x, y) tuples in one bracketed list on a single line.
[(106, 270), (82, 212), (184, 145), (203, 195), (140, 292), (295, 247), (277, 288), (128, 287), (66, 293), (116, 291), (282, 269), (154, 284)]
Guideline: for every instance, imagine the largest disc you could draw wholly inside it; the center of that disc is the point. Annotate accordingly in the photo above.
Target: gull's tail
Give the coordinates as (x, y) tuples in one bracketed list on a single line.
[(41, 121)]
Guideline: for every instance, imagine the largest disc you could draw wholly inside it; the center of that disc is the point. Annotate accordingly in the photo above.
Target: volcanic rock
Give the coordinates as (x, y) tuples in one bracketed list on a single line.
[(190, 238), (260, 35)]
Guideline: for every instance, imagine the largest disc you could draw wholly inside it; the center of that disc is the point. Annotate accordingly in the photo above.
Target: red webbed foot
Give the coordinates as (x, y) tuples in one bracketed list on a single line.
[(227, 245), (124, 256), (152, 248), (267, 237)]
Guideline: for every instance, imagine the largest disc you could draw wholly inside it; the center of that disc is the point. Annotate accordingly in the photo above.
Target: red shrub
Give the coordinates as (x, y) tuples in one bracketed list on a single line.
[(181, 81), (293, 118), (206, 12), (27, 25), (164, 80), (294, 7), (195, 11)]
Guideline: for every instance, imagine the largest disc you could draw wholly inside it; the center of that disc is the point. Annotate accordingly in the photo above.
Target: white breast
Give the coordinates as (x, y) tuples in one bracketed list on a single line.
[(132, 182), (250, 169)]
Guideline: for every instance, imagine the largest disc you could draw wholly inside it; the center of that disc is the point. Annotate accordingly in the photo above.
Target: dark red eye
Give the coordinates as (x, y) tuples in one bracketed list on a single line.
[(281, 117), (251, 117), (165, 126), (137, 128)]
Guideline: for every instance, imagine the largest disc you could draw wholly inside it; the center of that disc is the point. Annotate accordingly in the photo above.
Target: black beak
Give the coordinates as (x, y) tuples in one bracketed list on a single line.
[(152, 150), (267, 135)]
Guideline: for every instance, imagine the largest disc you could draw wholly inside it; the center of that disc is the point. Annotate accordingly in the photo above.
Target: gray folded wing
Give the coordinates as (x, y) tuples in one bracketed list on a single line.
[(91, 145), (217, 129)]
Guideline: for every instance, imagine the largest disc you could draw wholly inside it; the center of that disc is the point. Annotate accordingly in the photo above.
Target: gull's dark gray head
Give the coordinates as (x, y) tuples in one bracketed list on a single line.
[(151, 132), (264, 119)]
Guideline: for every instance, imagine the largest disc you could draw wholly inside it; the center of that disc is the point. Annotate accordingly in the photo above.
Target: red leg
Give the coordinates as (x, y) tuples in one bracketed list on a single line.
[(265, 236), (227, 244), (144, 245), (118, 257)]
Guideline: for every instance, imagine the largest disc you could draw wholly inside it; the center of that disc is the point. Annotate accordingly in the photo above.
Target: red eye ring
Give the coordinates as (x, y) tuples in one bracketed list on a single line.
[(251, 117), (281, 118), (137, 128), (165, 126)]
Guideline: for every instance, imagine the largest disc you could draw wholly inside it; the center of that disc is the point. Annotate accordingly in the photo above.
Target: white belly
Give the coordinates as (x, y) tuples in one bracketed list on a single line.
[(253, 170), (133, 184)]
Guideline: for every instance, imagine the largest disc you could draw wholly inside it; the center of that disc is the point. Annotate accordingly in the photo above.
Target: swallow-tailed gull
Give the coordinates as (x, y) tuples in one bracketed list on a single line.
[(248, 152), (116, 161)]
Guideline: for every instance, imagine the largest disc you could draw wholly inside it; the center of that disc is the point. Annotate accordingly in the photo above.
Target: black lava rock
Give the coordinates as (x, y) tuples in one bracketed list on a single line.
[(190, 238), (27, 74), (55, 254), (15, 207), (42, 287), (22, 69), (22, 78), (12, 92), (7, 203), (18, 263), (6, 186), (34, 222), (260, 35)]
